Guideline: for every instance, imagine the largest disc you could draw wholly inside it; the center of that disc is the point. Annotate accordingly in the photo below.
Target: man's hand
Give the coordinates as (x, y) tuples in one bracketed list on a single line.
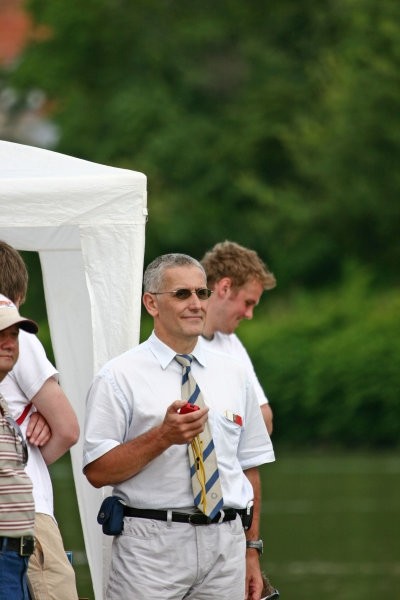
[(182, 428), (254, 581), (38, 432)]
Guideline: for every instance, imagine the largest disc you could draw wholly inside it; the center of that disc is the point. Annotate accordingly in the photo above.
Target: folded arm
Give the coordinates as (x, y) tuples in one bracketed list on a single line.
[(51, 402)]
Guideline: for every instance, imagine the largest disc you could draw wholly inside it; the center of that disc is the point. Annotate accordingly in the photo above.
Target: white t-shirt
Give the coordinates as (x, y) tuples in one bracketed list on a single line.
[(230, 344), (30, 372), (130, 395)]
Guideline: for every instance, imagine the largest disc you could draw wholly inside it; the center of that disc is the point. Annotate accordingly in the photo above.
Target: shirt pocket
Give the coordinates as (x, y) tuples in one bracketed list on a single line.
[(226, 436)]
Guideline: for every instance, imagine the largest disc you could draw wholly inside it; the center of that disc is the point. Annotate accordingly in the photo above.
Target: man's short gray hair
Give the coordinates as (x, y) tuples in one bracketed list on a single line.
[(154, 274)]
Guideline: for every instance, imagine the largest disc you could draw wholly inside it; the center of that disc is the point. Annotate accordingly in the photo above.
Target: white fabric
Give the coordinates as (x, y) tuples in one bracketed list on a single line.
[(19, 387), (131, 394), (87, 221), (230, 343)]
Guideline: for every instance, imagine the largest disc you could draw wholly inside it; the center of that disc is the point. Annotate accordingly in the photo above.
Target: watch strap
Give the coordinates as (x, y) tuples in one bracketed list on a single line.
[(256, 544)]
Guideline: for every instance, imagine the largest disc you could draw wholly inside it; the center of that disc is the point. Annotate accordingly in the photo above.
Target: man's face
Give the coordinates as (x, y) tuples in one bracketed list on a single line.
[(238, 304), (8, 349), (179, 321)]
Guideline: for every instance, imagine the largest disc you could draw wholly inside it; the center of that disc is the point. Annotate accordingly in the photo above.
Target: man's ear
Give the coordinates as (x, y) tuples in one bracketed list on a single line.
[(150, 303), (223, 287)]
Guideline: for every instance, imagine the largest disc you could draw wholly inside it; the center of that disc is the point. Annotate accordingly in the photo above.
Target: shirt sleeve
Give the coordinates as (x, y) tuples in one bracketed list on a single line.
[(107, 417), (32, 368), (241, 354), (255, 446)]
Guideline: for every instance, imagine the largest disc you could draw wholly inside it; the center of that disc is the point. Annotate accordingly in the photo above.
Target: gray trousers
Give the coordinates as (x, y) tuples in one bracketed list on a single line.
[(176, 561)]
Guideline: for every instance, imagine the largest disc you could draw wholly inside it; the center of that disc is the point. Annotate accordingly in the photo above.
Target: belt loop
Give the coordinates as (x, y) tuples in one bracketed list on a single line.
[(169, 517), (221, 516)]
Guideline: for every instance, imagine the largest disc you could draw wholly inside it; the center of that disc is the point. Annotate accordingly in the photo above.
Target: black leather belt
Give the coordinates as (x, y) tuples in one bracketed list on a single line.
[(229, 514), (23, 545)]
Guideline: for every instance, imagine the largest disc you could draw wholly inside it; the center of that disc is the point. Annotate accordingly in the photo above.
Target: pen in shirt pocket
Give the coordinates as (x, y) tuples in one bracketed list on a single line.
[(231, 416)]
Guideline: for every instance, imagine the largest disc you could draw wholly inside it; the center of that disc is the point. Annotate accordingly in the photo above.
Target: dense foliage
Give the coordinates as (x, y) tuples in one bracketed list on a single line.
[(276, 125), (330, 365)]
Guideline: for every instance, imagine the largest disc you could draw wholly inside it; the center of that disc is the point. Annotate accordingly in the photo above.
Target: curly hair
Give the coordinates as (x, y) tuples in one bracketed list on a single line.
[(240, 264)]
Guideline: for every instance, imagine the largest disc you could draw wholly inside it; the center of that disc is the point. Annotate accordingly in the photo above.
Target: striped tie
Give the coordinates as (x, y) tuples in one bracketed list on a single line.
[(202, 457)]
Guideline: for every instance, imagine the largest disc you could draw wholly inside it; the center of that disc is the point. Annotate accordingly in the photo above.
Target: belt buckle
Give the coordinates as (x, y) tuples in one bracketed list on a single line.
[(199, 519), (26, 545)]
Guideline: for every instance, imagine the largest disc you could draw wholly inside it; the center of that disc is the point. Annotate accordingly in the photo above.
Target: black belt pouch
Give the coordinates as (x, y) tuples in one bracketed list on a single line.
[(111, 515)]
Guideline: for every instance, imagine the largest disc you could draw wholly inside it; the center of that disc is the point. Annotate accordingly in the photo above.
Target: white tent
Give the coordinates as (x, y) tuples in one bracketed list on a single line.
[(87, 222)]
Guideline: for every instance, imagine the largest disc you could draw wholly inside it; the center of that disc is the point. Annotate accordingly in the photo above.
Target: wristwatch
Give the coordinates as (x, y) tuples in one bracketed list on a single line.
[(257, 544)]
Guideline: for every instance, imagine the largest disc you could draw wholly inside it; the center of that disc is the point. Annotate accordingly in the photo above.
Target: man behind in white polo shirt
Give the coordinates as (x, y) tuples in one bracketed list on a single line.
[(237, 276)]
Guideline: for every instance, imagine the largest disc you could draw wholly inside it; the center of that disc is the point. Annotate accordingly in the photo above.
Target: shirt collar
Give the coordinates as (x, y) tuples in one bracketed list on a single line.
[(164, 354)]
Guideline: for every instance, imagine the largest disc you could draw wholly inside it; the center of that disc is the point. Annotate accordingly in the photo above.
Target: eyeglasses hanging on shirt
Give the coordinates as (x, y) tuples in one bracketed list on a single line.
[(20, 442)]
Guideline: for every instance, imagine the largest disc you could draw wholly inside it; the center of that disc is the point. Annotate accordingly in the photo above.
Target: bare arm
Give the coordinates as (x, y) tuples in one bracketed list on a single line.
[(54, 406), (268, 416), (254, 583), (128, 459)]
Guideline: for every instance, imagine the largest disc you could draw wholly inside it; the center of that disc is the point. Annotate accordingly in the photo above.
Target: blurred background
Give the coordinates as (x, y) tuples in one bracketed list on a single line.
[(275, 125)]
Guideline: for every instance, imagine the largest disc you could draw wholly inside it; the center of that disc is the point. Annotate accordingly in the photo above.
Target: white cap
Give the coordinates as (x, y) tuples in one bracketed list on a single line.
[(9, 315)]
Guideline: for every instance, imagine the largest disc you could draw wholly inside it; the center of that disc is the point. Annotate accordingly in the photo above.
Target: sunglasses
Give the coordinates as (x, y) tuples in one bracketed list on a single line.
[(19, 437), (185, 293)]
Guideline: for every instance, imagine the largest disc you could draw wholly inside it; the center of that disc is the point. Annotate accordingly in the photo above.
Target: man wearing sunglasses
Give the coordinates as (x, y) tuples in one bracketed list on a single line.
[(168, 544), (17, 509)]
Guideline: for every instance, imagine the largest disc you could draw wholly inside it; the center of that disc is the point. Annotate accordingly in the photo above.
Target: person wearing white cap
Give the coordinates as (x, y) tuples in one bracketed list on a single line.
[(17, 508), (9, 316), (35, 398)]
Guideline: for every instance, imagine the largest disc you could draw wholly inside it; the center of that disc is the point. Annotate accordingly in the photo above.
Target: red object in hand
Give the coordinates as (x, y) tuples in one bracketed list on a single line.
[(188, 408)]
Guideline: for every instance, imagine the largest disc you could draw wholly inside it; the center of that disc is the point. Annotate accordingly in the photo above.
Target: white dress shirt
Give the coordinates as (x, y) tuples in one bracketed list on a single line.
[(131, 394)]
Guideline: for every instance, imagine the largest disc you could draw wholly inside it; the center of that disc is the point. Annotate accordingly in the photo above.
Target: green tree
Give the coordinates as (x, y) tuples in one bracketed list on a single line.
[(198, 96), (350, 145), (274, 125)]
